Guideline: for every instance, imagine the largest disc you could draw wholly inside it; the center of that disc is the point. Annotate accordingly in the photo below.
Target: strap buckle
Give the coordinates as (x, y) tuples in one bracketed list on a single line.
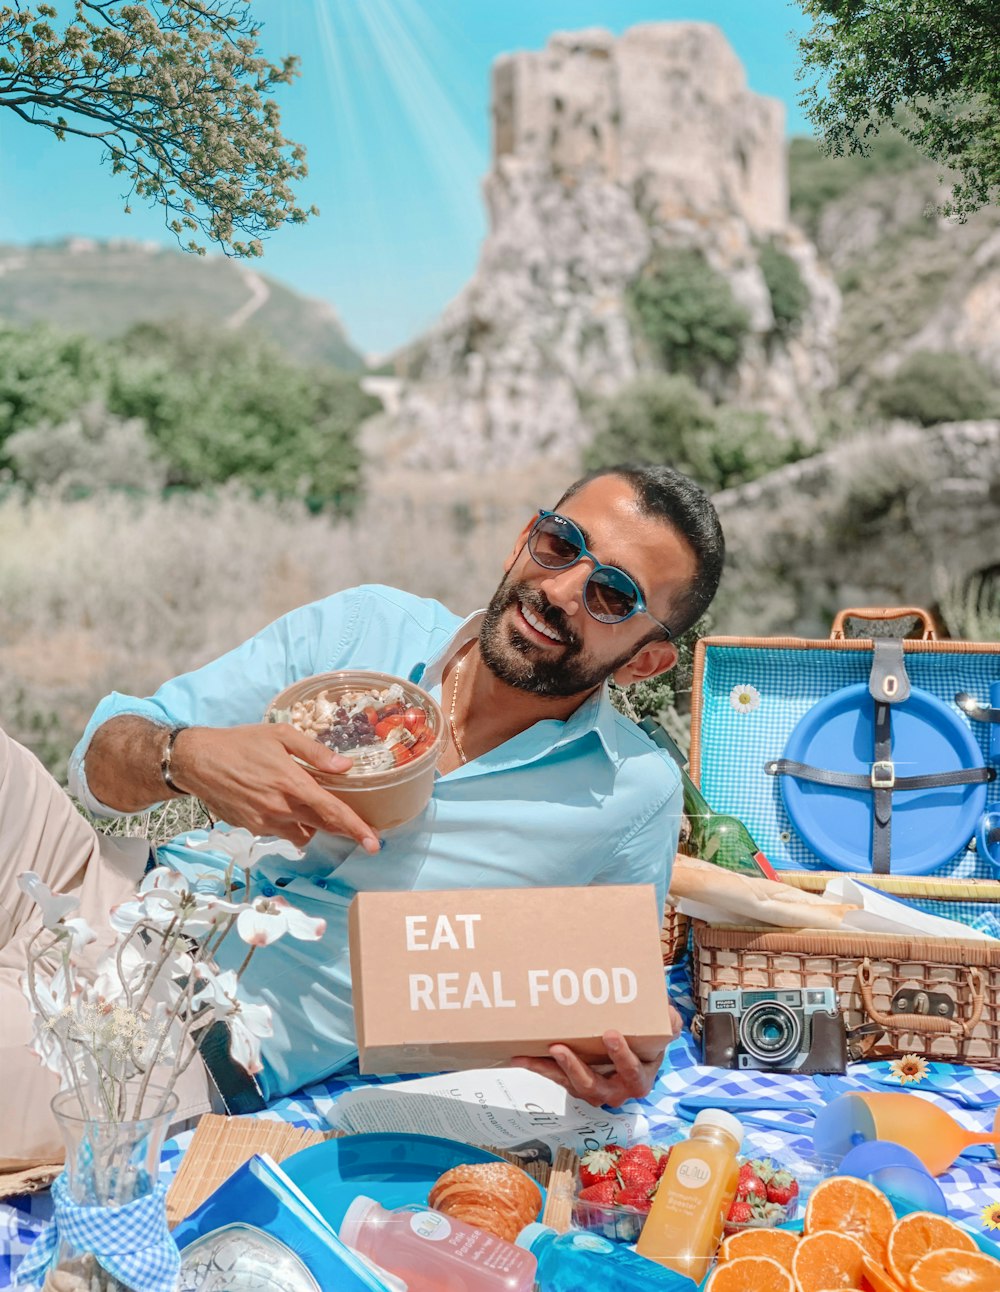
[(883, 774)]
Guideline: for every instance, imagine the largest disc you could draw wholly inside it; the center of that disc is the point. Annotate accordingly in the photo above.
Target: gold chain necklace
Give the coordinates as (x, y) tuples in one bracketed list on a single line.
[(451, 711)]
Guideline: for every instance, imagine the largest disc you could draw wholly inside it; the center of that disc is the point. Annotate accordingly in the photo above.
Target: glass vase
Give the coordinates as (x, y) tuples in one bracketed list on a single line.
[(108, 1164)]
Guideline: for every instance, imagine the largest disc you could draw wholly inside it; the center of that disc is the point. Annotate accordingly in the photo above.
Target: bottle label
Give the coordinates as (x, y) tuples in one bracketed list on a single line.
[(592, 1243), (430, 1224), (694, 1173)]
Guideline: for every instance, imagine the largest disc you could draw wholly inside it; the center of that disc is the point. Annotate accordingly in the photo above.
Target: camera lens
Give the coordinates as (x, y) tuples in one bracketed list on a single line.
[(770, 1032)]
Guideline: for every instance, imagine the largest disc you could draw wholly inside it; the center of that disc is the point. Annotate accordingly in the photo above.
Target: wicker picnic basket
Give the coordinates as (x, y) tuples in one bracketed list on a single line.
[(900, 995), (675, 934)]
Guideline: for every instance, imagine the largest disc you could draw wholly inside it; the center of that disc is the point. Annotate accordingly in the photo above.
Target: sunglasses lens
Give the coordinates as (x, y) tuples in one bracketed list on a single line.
[(555, 542), (611, 594)]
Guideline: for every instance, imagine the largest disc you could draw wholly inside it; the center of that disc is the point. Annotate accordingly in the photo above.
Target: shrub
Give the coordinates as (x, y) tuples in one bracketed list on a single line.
[(224, 407), (667, 419), (932, 386), (789, 294), (44, 377), (687, 312)]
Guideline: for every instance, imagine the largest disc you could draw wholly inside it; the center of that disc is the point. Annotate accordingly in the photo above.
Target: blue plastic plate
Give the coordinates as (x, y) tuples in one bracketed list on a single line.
[(928, 826), (391, 1168)]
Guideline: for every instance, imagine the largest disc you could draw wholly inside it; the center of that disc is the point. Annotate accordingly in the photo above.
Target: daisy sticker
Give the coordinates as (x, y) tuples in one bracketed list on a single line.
[(744, 698), (910, 1068)]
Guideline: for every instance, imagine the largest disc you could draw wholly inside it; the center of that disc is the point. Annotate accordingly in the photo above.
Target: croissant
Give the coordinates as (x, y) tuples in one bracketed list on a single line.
[(494, 1196)]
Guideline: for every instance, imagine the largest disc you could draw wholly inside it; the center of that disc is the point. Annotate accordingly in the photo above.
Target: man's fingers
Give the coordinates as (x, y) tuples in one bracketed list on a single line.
[(311, 751), (544, 1068), (323, 811), (628, 1065)]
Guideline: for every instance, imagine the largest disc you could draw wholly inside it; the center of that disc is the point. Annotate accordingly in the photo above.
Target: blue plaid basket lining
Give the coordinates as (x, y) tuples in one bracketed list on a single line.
[(735, 745)]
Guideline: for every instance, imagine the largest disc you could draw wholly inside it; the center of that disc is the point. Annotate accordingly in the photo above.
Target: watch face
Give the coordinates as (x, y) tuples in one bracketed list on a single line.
[(241, 1258)]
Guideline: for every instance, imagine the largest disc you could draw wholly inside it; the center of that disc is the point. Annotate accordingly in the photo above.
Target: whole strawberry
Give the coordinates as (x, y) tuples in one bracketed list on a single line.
[(750, 1185), (740, 1213), (638, 1158), (596, 1165), (603, 1192), (782, 1188), (634, 1195), (662, 1156)]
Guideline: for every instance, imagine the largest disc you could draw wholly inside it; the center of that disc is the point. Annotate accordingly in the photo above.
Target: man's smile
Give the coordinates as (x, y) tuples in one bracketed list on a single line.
[(537, 626)]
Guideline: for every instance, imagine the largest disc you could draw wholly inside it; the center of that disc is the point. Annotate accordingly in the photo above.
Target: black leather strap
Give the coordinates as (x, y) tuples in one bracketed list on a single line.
[(883, 779), (886, 770), (983, 715), (239, 1090)]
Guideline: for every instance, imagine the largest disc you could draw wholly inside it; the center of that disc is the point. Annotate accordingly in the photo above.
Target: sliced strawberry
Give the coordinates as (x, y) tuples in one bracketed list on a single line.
[(421, 743), (371, 713), (597, 1164), (385, 725), (415, 719), (400, 754), (633, 1196), (602, 1192), (390, 710)]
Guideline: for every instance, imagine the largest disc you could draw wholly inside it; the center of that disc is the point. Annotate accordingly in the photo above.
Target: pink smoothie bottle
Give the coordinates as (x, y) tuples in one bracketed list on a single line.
[(430, 1251)]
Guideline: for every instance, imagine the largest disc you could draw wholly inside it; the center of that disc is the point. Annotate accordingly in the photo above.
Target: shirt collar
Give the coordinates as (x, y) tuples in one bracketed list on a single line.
[(596, 714)]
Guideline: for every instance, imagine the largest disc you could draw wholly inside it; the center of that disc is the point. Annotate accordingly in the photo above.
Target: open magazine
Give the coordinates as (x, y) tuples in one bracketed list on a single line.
[(509, 1108)]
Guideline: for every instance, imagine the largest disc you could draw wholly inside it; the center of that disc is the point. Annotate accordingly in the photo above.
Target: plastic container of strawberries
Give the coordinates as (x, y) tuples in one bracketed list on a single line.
[(619, 1221)]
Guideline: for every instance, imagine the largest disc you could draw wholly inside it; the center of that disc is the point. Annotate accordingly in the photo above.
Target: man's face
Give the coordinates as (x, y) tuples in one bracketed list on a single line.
[(539, 637)]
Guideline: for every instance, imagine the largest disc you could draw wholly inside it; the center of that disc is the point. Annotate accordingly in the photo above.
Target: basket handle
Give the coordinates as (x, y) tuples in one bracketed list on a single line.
[(922, 1022), (880, 613)]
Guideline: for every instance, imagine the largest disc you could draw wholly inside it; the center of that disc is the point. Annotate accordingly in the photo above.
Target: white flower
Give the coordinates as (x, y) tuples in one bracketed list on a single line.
[(55, 906), (157, 902), (245, 849), (248, 1023), (52, 1013), (744, 698), (80, 934), (270, 918)]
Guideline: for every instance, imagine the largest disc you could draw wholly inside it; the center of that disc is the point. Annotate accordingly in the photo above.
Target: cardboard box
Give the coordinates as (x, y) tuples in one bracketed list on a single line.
[(471, 978)]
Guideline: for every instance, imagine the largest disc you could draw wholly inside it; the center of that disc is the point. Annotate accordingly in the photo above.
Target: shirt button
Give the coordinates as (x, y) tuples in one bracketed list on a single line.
[(320, 883), (268, 890)]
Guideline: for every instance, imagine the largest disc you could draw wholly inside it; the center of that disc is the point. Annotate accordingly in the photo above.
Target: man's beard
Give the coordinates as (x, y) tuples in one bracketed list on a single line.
[(514, 659)]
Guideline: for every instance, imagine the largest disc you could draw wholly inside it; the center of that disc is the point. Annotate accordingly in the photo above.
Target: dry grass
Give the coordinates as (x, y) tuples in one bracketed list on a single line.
[(111, 593)]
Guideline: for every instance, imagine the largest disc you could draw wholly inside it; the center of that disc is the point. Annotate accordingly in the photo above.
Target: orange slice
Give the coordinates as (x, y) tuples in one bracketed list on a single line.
[(826, 1260), (844, 1205), (750, 1274), (953, 1269), (878, 1280), (918, 1234), (779, 1244)]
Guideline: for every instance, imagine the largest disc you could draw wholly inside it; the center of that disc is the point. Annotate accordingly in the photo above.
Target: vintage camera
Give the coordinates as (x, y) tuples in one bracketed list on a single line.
[(778, 1031)]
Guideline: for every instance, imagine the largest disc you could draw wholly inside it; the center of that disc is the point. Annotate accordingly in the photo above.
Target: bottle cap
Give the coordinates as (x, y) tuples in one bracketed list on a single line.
[(531, 1234), (724, 1121), (354, 1218)]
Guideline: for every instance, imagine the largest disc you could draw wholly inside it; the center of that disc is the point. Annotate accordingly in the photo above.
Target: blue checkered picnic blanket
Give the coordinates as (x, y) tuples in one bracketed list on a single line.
[(786, 1136)]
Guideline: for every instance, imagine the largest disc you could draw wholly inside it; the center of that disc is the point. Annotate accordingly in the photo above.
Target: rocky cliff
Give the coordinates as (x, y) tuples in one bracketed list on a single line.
[(604, 151)]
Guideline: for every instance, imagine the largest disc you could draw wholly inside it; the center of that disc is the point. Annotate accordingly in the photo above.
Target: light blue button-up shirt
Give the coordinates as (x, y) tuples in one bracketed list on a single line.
[(587, 801)]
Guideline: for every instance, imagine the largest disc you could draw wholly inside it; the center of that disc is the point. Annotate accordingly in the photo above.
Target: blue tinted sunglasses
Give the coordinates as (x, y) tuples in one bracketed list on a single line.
[(610, 595)]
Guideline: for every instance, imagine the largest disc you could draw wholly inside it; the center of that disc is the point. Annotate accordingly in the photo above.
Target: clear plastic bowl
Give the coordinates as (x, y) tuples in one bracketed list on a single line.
[(385, 797)]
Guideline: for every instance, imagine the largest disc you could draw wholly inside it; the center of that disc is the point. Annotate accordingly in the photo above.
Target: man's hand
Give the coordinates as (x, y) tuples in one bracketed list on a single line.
[(248, 776), (632, 1077)]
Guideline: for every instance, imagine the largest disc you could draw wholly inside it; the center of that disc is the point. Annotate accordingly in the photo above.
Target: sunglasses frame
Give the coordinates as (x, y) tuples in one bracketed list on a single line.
[(640, 606)]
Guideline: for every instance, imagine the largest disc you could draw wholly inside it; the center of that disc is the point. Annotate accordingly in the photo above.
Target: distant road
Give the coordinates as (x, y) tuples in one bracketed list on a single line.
[(259, 293)]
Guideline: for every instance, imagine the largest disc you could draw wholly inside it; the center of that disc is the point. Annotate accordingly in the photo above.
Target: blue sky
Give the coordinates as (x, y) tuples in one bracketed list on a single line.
[(393, 109)]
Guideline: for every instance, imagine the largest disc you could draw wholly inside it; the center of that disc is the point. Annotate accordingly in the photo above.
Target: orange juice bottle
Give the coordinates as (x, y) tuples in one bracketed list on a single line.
[(684, 1226)]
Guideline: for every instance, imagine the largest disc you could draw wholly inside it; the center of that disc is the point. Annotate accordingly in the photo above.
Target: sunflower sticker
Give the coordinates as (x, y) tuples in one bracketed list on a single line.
[(991, 1216), (908, 1070), (744, 698)]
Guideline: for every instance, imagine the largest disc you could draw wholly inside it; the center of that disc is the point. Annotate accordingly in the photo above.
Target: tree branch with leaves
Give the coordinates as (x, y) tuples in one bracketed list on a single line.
[(178, 93), (931, 68)]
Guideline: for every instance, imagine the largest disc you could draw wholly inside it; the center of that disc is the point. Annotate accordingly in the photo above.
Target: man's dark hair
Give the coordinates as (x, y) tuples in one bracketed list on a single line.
[(674, 498)]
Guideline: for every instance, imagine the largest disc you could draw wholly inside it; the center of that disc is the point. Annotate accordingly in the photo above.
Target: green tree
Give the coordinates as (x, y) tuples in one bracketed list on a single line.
[(789, 294), (687, 312), (178, 93), (928, 67), (937, 386), (224, 406), (657, 418), (45, 376)]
